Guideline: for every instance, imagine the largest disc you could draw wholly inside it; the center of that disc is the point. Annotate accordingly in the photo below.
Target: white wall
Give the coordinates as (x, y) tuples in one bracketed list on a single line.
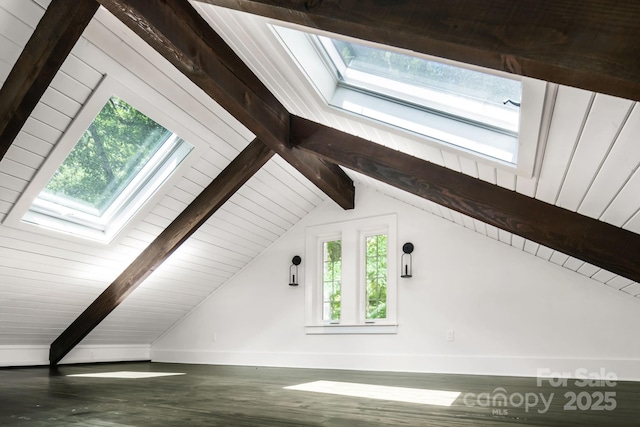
[(512, 312), (38, 355)]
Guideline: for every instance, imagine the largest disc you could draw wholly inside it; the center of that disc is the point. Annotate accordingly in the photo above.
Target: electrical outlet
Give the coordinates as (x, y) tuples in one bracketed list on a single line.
[(450, 335)]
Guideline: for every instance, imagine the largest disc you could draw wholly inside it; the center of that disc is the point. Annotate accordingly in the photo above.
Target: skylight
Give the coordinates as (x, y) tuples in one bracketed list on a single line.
[(121, 159), (448, 89), (457, 106)]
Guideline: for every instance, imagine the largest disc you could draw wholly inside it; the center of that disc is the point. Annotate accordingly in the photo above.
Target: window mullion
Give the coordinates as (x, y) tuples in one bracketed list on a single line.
[(350, 251)]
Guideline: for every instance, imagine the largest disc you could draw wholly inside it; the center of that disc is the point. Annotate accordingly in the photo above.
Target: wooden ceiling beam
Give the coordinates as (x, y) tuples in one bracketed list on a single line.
[(587, 44), (243, 167), (55, 35), (176, 30), (596, 242)]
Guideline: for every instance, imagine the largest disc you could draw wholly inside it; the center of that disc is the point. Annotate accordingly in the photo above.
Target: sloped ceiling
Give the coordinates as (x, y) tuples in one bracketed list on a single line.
[(47, 280), (588, 162), (589, 165)]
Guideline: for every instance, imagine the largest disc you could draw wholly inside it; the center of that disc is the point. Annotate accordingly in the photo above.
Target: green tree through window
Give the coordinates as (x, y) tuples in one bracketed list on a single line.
[(108, 156), (331, 279), (376, 277)]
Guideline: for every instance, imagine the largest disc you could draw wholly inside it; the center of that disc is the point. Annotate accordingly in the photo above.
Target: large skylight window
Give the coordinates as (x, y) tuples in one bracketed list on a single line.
[(121, 159), (457, 106), (459, 92)]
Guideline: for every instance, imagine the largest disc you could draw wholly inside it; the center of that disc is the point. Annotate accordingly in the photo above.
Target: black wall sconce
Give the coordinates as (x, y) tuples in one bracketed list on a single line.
[(293, 270), (406, 261)]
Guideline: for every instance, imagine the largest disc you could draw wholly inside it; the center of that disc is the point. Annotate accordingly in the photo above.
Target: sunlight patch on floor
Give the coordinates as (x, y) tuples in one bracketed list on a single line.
[(398, 394), (126, 374)]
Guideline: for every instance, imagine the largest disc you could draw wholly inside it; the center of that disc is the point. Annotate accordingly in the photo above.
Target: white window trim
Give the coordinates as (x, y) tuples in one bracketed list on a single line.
[(150, 178), (107, 88), (304, 53), (352, 310)]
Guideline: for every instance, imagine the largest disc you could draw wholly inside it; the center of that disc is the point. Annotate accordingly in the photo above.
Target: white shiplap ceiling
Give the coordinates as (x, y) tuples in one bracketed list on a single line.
[(588, 159), (590, 165), (46, 281)]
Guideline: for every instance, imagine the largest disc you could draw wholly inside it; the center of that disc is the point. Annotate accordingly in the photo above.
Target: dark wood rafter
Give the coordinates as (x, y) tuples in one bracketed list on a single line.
[(243, 167), (176, 30), (586, 44), (55, 35), (596, 242)]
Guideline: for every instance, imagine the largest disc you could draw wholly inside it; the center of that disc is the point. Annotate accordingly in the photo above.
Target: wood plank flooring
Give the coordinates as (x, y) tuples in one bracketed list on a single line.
[(255, 396)]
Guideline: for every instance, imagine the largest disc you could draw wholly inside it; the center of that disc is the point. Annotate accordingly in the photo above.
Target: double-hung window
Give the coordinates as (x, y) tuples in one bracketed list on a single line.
[(351, 279)]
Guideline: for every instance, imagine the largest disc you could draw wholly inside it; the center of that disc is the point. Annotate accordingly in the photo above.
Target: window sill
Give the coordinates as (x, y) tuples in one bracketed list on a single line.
[(351, 329)]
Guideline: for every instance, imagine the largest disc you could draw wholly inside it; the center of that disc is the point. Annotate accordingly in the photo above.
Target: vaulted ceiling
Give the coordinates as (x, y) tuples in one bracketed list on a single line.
[(579, 210)]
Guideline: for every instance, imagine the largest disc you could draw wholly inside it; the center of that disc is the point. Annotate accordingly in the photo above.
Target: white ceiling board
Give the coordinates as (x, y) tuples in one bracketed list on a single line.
[(621, 162), (26, 11), (504, 236), (42, 130), (467, 166), (544, 252), (14, 29), (64, 104), (633, 289), (573, 264), (606, 118), (479, 226), (569, 114), (518, 242), (587, 269), (9, 51), (33, 144), (626, 204), (71, 88), (619, 282), (506, 179), (558, 258), (634, 224), (23, 156)]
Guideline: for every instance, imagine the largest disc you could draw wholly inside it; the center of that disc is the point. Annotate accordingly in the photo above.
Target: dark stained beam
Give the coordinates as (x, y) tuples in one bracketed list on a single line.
[(587, 44), (590, 240), (243, 167), (176, 30), (54, 37)]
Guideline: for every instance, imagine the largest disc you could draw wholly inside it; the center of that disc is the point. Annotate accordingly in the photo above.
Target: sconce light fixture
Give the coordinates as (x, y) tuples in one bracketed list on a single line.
[(406, 261), (293, 270)]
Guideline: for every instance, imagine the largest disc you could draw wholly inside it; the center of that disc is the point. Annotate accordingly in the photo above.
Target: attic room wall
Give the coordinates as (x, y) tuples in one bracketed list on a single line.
[(512, 312)]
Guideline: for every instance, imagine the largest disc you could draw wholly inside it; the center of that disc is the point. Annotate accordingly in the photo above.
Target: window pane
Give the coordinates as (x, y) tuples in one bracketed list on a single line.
[(376, 277), (461, 92), (332, 275), (111, 152)]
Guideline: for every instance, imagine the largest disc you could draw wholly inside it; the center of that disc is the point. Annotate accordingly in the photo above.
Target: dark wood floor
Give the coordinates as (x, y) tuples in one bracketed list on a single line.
[(249, 396)]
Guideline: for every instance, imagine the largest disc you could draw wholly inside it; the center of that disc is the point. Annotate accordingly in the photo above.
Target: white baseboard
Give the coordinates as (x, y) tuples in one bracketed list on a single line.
[(35, 355), (623, 369)]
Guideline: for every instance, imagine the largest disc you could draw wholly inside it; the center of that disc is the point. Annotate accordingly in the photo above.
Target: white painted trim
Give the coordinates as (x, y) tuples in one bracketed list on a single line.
[(36, 355), (625, 369), (351, 329)]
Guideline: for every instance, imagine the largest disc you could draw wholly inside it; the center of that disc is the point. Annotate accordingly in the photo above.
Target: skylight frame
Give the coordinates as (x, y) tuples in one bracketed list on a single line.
[(439, 101), (142, 185), (307, 58), (141, 202)]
